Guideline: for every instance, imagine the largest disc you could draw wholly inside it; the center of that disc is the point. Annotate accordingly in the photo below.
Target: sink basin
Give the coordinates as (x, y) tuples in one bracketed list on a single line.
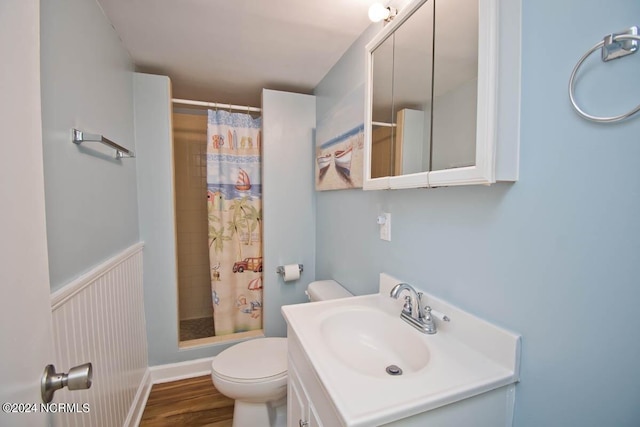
[(372, 341)]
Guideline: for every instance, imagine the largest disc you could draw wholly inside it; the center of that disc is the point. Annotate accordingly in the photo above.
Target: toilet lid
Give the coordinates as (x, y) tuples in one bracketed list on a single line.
[(255, 359)]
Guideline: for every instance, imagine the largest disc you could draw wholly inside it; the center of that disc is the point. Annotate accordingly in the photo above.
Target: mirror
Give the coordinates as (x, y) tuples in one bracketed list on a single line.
[(455, 85), (423, 96), (401, 97)]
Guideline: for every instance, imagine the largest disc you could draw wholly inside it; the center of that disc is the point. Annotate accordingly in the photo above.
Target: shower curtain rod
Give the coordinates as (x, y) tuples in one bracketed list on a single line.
[(216, 105)]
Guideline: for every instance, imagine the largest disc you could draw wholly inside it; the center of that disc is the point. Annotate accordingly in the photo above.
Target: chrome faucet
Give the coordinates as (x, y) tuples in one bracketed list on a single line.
[(414, 312)]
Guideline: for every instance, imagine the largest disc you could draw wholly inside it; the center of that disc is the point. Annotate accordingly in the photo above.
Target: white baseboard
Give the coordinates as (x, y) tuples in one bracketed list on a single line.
[(181, 370), (139, 401)]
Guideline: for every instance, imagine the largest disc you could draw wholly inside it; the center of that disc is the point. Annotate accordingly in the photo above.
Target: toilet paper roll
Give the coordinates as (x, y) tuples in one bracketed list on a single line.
[(291, 272)]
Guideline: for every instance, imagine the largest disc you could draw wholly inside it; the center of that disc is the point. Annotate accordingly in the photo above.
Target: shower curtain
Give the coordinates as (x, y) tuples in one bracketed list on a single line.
[(234, 202)]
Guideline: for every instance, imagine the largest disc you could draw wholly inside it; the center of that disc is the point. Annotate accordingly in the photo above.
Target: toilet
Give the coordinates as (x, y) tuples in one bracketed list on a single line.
[(254, 372)]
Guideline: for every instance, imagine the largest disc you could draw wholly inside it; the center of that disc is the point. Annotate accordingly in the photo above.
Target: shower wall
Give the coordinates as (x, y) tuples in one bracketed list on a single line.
[(189, 146)]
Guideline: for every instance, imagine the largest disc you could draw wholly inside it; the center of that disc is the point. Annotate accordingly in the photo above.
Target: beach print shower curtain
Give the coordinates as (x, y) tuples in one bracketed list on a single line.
[(234, 201)]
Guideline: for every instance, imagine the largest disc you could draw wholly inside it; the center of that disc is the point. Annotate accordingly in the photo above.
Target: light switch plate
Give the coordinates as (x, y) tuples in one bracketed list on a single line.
[(385, 228)]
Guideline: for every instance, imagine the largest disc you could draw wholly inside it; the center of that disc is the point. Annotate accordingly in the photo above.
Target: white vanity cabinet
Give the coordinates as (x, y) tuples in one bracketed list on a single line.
[(308, 404)]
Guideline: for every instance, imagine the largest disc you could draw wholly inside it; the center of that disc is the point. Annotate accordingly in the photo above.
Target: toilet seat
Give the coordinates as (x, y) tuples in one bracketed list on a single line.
[(258, 360)]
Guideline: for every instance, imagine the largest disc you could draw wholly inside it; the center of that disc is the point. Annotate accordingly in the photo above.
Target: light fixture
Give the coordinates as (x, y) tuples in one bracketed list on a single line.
[(378, 12)]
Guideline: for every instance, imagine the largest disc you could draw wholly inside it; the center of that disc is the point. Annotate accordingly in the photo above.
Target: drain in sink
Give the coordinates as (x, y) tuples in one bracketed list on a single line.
[(394, 370)]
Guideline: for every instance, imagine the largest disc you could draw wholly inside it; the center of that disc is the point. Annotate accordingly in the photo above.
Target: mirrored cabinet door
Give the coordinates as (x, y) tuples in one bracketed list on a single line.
[(401, 84), (412, 85), (455, 84)]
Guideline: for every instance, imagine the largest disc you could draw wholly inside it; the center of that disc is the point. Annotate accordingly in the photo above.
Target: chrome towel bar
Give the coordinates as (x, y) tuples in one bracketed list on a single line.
[(78, 137)]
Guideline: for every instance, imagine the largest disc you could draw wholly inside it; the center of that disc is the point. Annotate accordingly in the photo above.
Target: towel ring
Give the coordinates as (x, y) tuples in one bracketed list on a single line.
[(607, 55)]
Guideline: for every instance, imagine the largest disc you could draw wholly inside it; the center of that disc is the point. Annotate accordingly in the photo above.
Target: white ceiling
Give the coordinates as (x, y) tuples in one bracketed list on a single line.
[(228, 50)]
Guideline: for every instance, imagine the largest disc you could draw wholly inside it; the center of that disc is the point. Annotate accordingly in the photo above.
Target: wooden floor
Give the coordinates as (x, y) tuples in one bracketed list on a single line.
[(190, 402)]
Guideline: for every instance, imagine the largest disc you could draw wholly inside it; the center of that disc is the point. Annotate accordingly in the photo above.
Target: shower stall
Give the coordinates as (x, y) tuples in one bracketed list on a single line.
[(194, 295), (218, 221)]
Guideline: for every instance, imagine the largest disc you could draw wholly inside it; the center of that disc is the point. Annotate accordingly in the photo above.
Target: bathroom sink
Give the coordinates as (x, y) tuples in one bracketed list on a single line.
[(373, 341), (348, 344)]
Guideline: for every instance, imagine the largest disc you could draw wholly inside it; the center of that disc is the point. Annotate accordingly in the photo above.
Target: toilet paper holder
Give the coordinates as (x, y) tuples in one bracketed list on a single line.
[(280, 269)]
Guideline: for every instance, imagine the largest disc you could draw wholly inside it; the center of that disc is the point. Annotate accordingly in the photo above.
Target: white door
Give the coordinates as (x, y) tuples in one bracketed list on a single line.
[(25, 310)]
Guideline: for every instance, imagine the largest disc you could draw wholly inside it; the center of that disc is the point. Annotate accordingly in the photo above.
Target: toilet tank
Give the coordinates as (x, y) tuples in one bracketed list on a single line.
[(326, 289)]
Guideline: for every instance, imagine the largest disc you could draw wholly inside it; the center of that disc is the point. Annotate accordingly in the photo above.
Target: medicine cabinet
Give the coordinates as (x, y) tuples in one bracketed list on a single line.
[(442, 95)]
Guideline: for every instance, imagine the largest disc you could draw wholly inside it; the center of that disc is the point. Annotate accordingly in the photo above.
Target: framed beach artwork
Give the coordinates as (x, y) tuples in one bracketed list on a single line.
[(340, 144)]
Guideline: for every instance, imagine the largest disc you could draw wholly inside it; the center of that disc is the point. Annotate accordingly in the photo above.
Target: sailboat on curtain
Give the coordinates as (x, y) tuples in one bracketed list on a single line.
[(235, 237), (243, 183)]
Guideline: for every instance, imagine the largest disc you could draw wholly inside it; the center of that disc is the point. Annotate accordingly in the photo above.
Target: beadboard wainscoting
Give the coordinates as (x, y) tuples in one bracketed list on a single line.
[(99, 318)]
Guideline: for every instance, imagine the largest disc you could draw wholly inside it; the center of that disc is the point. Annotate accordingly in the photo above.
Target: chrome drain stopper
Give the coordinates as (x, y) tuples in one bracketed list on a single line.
[(394, 370)]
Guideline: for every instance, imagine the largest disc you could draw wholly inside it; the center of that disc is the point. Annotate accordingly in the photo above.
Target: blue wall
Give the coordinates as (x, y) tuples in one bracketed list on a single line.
[(555, 256), (154, 145), (87, 83), (288, 201)]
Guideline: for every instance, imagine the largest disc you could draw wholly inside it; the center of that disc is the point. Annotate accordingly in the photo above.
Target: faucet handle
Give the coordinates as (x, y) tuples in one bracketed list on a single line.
[(426, 315), (408, 307), (439, 315)]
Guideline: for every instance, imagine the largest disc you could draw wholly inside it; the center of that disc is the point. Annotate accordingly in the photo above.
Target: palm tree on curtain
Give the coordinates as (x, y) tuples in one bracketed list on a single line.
[(216, 235), (243, 209), (240, 209), (251, 218), (255, 216), (235, 226), (217, 238)]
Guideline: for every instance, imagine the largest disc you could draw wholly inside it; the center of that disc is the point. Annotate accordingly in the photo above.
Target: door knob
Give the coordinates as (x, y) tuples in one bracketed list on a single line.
[(78, 378)]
